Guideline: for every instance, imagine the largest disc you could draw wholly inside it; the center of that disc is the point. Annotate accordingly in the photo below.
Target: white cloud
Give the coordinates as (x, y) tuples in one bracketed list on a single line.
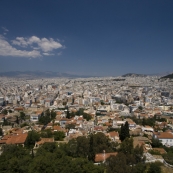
[(44, 44), (5, 29), (35, 46), (48, 54), (20, 41), (59, 53), (7, 50), (48, 45)]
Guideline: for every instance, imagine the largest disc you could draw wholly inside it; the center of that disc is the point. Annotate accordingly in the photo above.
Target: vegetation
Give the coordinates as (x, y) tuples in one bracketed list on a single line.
[(124, 132), (22, 115), (168, 158), (78, 113), (102, 102), (59, 136), (130, 160), (1, 132), (47, 117), (49, 158), (24, 124), (144, 121), (154, 168), (32, 137), (156, 143), (5, 112), (140, 108), (76, 156)]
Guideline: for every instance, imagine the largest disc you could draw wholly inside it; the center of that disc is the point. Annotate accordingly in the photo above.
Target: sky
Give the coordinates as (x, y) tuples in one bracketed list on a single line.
[(87, 37)]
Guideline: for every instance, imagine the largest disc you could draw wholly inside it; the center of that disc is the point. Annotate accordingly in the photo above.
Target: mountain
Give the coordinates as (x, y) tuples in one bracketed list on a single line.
[(134, 75), (169, 76), (38, 74)]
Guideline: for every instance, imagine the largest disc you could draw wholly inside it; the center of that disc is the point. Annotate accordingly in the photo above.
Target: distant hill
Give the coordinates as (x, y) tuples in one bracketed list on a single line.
[(169, 76), (134, 75), (38, 74)]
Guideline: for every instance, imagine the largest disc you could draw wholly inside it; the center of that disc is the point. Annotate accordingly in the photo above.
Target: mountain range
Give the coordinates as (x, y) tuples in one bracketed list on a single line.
[(39, 74), (133, 75)]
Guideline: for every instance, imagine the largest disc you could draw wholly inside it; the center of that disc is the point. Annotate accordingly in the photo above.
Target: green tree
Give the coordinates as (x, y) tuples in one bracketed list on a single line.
[(139, 168), (144, 122), (1, 132), (70, 126), (134, 155), (45, 119), (156, 143), (14, 159), (140, 108), (124, 133), (17, 119), (24, 124), (72, 148), (6, 123), (117, 164), (59, 136), (46, 133), (168, 157), (22, 115), (126, 146), (138, 153), (98, 143), (64, 103), (68, 114), (10, 111), (32, 137), (102, 102), (87, 116), (82, 146), (47, 147), (154, 168), (53, 114), (43, 163), (5, 112)]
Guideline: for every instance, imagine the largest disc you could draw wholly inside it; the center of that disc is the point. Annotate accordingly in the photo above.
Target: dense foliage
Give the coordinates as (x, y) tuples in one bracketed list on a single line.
[(77, 156), (78, 113), (47, 117), (49, 158)]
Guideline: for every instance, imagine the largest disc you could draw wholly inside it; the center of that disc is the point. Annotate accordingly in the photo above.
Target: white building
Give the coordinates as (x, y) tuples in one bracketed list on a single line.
[(166, 138)]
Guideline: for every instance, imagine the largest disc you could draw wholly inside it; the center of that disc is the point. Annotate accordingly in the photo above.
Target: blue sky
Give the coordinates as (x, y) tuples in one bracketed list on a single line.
[(87, 37)]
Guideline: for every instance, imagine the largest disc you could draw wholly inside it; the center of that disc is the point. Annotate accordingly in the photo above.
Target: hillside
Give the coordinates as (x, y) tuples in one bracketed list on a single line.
[(170, 76), (134, 75)]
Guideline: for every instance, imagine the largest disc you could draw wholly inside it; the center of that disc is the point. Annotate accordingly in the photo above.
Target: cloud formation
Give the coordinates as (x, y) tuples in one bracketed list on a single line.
[(28, 47), (43, 44), (5, 29), (7, 50)]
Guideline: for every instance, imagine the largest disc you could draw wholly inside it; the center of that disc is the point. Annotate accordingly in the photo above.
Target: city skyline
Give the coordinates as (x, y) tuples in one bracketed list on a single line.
[(96, 38)]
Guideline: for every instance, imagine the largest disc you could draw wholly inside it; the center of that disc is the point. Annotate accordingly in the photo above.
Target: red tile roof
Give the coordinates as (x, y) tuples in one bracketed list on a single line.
[(100, 157), (164, 135), (17, 139)]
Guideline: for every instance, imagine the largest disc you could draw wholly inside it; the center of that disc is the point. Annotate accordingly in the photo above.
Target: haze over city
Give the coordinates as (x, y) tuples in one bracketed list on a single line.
[(102, 38)]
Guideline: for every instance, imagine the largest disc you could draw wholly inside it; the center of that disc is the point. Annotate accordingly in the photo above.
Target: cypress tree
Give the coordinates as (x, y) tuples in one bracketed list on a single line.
[(124, 133)]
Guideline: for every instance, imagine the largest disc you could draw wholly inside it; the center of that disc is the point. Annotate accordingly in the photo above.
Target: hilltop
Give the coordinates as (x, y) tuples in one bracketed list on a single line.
[(133, 75), (170, 76)]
